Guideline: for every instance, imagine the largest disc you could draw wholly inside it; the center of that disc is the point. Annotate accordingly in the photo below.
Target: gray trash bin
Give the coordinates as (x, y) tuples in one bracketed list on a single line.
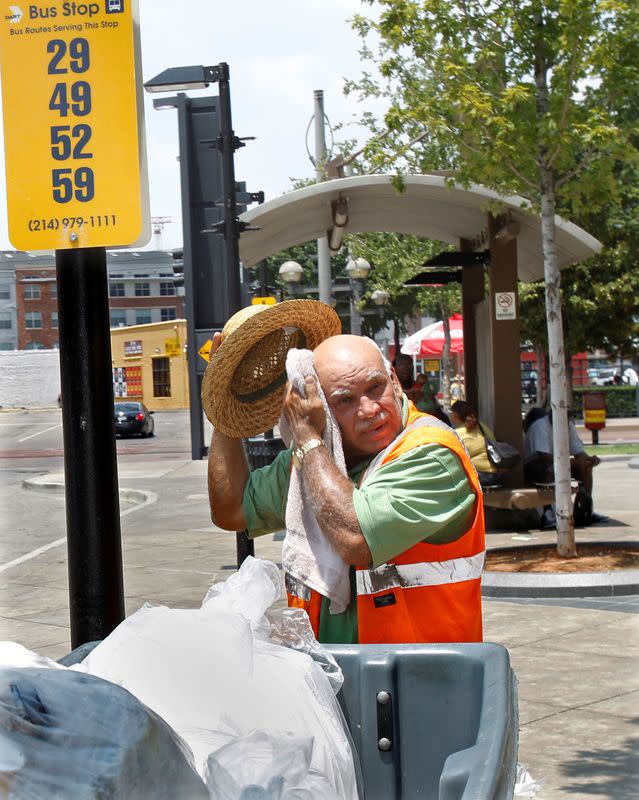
[(261, 451), (432, 721), (438, 721)]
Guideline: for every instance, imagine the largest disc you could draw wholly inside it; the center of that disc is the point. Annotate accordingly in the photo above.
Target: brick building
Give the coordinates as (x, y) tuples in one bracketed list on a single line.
[(8, 305), (36, 308), (140, 288)]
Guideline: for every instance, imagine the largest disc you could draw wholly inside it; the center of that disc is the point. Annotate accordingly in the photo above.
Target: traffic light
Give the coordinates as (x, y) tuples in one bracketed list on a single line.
[(178, 267)]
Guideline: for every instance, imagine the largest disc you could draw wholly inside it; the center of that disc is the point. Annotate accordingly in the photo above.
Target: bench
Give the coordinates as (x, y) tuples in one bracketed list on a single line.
[(522, 497)]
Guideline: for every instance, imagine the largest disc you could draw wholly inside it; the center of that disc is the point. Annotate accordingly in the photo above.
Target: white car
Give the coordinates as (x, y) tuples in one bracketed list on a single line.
[(603, 376)]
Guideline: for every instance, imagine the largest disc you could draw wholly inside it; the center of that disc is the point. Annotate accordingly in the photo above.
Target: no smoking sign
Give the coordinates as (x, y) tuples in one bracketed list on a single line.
[(505, 305)]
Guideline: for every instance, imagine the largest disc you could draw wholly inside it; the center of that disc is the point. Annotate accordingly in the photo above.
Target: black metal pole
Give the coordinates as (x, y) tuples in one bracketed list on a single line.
[(228, 182), (198, 449), (244, 545), (96, 587)]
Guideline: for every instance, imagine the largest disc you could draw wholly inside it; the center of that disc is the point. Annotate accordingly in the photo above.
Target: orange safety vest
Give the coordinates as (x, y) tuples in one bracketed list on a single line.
[(430, 592)]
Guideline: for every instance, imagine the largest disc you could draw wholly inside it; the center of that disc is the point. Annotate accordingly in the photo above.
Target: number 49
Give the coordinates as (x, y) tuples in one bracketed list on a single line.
[(68, 184)]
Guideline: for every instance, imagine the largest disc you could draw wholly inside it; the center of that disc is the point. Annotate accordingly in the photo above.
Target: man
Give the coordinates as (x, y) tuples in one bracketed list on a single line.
[(418, 390), (408, 519), (538, 461)]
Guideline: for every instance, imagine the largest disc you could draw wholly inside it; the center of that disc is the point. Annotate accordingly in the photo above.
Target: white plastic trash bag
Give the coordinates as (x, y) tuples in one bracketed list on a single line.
[(236, 695), (526, 785)]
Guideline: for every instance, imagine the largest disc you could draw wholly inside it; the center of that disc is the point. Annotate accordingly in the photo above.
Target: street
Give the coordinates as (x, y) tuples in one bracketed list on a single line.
[(31, 444), (37, 434)]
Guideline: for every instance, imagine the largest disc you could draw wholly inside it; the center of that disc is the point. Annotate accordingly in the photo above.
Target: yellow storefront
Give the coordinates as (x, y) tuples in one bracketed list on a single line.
[(149, 364)]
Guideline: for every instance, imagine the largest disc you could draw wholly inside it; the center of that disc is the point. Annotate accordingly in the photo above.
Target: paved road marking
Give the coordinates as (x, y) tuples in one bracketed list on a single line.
[(32, 554), (20, 424), (151, 497), (39, 433)]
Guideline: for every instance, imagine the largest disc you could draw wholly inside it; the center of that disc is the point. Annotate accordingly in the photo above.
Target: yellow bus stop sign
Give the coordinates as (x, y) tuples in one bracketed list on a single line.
[(73, 124)]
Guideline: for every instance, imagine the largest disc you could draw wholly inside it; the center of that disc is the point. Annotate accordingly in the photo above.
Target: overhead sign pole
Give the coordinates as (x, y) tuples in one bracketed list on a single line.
[(76, 184)]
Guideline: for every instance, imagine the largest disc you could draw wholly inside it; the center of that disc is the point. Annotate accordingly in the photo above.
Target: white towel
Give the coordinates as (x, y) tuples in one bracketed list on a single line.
[(307, 554)]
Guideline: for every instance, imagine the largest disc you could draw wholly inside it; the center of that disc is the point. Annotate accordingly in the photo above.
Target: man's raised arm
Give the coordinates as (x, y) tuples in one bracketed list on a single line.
[(227, 475)]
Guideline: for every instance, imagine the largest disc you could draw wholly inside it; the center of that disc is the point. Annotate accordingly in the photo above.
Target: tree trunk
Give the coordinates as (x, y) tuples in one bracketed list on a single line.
[(569, 381), (542, 378), (446, 365), (556, 355)]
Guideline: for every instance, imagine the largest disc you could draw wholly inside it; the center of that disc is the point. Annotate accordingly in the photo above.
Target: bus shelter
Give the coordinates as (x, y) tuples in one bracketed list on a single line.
[(497, 249)]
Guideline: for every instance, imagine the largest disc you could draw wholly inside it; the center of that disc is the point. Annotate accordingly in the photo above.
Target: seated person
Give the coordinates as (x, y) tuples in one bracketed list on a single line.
[(473, 434), (538, 457), (418, 390), (533, 415)]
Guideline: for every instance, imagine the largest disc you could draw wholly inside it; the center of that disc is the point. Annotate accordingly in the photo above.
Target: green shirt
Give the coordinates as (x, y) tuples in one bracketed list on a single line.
[(423, 495)]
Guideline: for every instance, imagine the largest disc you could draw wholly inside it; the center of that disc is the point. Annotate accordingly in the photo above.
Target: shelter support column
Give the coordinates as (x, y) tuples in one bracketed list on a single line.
[(504, 329), (472, 293)]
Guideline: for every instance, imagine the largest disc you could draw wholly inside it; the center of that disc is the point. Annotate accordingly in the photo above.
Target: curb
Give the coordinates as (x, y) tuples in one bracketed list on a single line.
[(619, 457), (575, 584), (55, 487)]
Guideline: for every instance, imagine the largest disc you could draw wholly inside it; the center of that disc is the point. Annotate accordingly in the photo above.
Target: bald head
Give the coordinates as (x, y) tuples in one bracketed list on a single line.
[(345, 351)]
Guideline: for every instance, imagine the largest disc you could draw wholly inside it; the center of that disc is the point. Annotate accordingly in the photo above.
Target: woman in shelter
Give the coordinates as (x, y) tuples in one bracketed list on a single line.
[(473, 434)]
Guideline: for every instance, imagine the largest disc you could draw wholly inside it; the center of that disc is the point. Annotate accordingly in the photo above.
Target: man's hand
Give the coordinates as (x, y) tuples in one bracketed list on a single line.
[(216, 341), (305, 415)]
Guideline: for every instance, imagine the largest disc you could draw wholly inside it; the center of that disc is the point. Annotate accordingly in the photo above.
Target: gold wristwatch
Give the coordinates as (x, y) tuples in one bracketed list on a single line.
[(303, 449)]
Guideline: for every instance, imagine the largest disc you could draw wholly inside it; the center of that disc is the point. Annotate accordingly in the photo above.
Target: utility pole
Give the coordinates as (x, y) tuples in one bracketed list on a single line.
[(323, 252)]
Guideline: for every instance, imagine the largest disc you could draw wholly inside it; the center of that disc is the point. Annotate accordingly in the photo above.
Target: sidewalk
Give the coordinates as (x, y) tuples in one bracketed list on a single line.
[(576, 659)]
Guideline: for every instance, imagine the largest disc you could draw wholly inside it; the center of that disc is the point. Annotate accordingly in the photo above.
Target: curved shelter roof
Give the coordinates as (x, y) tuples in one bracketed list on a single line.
[(427, 208)]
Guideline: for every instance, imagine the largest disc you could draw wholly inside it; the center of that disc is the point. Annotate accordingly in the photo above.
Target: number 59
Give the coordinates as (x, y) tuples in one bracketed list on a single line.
[(68, 184)]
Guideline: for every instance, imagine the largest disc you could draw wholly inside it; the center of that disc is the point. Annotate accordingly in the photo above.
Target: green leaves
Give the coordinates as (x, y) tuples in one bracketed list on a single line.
[(465, 72)]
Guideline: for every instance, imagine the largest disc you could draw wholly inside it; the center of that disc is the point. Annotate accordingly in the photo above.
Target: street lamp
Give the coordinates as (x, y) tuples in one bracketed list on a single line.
[(380, 297), (291, 273), (177, 79), (357, 270)]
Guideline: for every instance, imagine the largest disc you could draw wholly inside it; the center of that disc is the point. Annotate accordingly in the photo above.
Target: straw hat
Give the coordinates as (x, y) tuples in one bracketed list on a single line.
[(243, 386)]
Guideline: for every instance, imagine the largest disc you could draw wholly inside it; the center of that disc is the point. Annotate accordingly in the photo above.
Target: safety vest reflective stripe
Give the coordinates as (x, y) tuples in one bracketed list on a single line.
[(409, 576)]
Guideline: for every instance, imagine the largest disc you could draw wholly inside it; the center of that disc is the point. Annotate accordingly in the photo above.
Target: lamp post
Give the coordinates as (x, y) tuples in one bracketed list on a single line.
[(207, 175), (381, 298), (357, 270)]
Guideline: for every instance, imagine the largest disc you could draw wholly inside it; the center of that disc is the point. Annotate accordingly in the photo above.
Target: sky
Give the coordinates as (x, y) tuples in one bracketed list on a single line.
[(278, 53)]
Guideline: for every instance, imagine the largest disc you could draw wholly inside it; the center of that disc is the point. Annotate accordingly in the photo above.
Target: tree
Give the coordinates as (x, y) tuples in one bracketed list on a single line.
[(508, 95), (395, 258), (600, 297)]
